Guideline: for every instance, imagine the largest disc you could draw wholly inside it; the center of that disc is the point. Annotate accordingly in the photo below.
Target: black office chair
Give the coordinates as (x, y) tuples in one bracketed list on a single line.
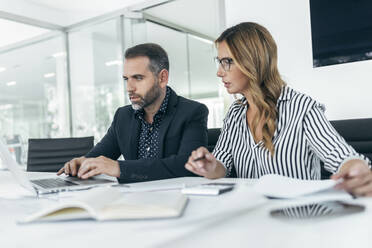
[(357, 133), (213, 134), (49, 155)]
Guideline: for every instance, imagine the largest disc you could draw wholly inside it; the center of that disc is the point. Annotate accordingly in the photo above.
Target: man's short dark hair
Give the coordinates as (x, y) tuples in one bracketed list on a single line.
[(157, 55)]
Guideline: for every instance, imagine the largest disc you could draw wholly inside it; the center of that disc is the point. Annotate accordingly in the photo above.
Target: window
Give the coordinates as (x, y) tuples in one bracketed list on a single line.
[(96, 78), (33, 94)]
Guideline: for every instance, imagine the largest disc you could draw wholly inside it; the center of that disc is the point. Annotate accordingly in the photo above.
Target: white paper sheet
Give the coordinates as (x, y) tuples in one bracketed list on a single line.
[(285, 187)]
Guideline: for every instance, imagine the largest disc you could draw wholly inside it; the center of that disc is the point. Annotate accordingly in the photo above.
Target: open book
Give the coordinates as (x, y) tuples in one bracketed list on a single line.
[(277, 186), (111, 204)]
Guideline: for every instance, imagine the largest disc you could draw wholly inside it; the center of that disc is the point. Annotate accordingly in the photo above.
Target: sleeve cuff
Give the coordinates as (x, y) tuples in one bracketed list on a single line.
[(360, 157), (227, 169), (122, 170)]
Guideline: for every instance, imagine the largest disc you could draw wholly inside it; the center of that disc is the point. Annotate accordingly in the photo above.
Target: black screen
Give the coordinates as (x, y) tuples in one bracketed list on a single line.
[(341, 31)]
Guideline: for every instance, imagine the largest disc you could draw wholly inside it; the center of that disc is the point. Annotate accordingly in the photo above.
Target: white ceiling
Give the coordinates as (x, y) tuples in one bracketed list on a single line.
[(66, 12), (84, 5), (205, 17), (63, 12), (16, 32)]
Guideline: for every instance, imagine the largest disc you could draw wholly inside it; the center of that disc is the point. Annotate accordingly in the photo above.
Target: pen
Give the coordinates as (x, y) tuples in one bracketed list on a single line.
[(120, 185), (199, 158)]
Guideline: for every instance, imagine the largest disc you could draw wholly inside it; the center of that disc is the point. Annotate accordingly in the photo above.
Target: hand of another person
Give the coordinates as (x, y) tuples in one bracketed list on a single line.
[(357, 178), (203, 163), (71, 167), (100, 165)]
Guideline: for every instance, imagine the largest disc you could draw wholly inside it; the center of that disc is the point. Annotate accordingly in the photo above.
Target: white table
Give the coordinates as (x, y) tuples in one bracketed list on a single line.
[(200, 226)]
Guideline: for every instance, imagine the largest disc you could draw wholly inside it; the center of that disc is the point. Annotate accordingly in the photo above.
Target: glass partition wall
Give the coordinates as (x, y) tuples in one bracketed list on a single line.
[(96, 78), (33, 94), (192, 69), (71, 84)]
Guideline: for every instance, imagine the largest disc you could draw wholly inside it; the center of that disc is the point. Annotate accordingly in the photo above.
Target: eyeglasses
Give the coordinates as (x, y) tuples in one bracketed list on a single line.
[(224, 62)]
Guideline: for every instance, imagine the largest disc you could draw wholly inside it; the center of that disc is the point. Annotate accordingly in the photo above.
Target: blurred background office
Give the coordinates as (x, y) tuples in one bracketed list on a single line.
[(61, 60)]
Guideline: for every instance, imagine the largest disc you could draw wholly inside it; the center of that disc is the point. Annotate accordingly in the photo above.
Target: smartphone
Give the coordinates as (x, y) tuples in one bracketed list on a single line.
[(208, 189), (316, 210)]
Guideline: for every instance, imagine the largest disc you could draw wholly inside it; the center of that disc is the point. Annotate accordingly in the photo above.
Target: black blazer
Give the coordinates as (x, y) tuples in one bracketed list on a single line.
[(183, 129)]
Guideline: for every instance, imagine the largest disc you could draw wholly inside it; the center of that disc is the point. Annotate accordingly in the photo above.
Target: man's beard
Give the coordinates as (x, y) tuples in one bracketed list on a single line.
[(150, 97)]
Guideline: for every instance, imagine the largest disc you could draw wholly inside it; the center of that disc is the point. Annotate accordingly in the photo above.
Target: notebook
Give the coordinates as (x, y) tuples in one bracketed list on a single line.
[(52, 184), (113, 205)]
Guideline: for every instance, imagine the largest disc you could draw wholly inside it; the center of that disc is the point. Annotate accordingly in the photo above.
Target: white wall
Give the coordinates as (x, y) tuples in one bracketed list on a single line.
[(345, 89)]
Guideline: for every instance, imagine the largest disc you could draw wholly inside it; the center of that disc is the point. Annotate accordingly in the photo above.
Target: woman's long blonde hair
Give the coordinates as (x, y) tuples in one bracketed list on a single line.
[(254, 52)]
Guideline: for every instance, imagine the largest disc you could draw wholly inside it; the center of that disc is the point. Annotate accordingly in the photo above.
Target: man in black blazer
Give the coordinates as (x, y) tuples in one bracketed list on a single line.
[(155, 134)]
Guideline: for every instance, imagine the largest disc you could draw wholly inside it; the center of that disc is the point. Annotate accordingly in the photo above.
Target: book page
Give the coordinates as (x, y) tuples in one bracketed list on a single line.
[(96, 198), (83, 204), (285, 187), (109, 204), (143, 205)]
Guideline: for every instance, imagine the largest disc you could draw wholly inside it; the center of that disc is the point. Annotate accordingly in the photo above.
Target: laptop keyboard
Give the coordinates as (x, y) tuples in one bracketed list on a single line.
[(52, 183)]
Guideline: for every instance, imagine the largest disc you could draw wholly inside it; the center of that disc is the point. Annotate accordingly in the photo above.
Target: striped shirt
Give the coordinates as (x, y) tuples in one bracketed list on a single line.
[(303, 137)]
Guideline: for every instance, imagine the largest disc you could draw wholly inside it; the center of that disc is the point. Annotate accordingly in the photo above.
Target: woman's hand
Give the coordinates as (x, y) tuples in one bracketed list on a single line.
[(203, 163), (357, 178)]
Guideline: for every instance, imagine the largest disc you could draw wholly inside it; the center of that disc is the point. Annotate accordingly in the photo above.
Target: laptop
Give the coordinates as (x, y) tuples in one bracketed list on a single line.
[(51, 184)]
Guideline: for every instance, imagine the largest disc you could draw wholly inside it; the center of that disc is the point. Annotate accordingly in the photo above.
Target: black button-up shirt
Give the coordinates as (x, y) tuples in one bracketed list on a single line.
[(149, 141)]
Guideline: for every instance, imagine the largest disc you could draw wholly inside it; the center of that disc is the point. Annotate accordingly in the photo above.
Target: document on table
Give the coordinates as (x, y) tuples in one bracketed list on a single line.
[(162, 185), (285, 187)]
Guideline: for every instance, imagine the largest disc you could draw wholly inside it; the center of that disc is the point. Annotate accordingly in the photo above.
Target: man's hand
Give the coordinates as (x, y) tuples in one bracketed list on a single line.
[(357, 178), (100, 165), (71, 167)]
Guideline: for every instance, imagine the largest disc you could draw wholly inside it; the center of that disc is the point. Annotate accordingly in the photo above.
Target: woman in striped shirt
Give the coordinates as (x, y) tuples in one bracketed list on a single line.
[(273, 129)]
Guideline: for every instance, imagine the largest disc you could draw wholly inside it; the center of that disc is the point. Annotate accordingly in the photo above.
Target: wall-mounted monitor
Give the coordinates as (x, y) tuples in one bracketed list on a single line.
[(341, 31)]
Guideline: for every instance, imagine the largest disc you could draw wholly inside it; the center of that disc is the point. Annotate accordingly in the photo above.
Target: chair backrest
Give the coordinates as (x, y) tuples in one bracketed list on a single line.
[(49, 155), (213, 134), (357, 133)]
